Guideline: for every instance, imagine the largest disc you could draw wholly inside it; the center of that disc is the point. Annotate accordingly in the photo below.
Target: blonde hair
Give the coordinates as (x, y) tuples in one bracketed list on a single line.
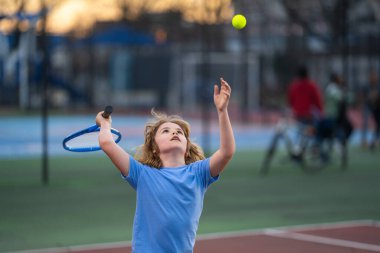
[(148, 153)]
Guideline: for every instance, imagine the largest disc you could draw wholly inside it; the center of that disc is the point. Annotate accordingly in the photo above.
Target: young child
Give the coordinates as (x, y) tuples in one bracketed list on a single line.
[(170, 175)]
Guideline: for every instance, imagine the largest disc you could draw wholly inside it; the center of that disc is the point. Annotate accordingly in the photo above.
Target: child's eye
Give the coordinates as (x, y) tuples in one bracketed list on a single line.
[(179, 132), (165, 131)]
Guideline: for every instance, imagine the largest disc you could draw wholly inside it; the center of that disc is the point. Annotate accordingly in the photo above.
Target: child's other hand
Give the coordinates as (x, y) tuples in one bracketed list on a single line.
[(222, 95), (101, 121)]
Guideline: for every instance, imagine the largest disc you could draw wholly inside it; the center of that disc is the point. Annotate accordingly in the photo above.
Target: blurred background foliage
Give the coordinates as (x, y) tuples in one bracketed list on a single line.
[(143, 53)]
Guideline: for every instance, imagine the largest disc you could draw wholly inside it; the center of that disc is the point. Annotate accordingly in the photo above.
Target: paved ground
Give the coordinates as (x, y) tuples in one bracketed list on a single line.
[(344, 237)]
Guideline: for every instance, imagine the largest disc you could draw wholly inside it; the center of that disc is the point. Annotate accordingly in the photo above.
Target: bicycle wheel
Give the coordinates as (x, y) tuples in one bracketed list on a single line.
[(268, 157), (312, 161)]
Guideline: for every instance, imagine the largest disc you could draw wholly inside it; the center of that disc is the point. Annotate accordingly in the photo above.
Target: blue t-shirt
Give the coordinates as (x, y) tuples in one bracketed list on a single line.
[(169, 205)]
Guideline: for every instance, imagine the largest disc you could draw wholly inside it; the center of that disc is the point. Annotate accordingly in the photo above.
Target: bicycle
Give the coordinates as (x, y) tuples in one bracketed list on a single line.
[(309, 154)]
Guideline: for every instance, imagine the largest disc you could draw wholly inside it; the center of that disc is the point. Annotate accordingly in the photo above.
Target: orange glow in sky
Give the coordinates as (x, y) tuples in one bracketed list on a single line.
[(80, 15)]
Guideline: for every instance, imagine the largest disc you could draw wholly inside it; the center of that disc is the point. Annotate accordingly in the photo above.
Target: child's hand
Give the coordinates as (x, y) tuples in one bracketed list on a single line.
[(222, 96), (101, 121)]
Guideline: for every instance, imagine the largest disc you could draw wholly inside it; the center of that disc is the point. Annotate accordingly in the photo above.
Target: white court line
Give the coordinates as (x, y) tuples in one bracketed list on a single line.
[(211, 236), (343, 224), (322, 240), (98, 246), (309, 227)]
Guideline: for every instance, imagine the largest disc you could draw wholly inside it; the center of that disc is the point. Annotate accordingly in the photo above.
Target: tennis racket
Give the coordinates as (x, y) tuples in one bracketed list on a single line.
[(86, 140)]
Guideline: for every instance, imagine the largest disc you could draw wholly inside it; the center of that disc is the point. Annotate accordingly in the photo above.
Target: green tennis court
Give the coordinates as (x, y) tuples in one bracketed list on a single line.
[(87, 202)]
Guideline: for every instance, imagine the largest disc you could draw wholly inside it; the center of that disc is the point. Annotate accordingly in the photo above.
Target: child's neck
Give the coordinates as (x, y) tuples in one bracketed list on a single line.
[(172, 160)]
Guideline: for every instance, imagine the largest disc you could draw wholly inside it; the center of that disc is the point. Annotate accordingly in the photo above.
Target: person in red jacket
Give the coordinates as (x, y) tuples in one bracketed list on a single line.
[(304, 98), (305, 101)]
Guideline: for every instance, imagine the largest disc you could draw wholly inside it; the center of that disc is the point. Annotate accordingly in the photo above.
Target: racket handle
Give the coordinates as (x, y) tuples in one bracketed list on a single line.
[(107, 111)]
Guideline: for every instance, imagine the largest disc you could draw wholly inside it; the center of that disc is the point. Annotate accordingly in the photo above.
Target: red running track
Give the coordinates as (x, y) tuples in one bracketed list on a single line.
[(353, 237)]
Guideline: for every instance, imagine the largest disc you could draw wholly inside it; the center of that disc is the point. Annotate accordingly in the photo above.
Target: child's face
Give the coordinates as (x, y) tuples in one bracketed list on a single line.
[(170, 137)]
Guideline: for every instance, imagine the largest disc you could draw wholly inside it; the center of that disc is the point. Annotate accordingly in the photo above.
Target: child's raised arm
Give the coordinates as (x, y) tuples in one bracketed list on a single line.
[(118, 156), (226, 150)]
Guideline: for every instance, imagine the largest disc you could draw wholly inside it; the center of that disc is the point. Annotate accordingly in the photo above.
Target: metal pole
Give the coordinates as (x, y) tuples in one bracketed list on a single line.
[(204, 96), (345, 59), (244, 74), (45, 89), (345, 41)]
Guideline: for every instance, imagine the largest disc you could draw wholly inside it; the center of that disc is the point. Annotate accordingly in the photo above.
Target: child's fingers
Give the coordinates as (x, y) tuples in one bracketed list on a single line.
[(216, 89), (99, 114), (225, 84), (99, 118), (227, 93)]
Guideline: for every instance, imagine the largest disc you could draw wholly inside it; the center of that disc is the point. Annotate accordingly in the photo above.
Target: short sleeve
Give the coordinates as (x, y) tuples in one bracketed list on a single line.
[(203, 170), (134, 172)]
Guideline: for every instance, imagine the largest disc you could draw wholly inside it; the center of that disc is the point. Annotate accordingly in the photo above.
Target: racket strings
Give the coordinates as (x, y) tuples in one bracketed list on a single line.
[(86, 140)]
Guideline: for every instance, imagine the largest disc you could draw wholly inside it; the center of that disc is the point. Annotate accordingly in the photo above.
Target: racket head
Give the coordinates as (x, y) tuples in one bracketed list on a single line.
[(86, 140)]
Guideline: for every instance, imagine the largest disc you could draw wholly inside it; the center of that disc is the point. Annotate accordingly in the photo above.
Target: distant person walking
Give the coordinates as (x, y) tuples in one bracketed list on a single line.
[(305, 101), (337, 99)]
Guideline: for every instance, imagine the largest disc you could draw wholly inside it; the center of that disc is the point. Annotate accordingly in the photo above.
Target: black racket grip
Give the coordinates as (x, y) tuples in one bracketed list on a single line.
[(107, 111)]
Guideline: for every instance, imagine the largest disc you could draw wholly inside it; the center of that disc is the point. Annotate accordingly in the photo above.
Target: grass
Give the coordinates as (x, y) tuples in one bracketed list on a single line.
[(87, 202)]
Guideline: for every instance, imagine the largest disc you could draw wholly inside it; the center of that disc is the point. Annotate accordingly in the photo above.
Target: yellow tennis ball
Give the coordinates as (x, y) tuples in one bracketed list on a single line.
[(239, 21)]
